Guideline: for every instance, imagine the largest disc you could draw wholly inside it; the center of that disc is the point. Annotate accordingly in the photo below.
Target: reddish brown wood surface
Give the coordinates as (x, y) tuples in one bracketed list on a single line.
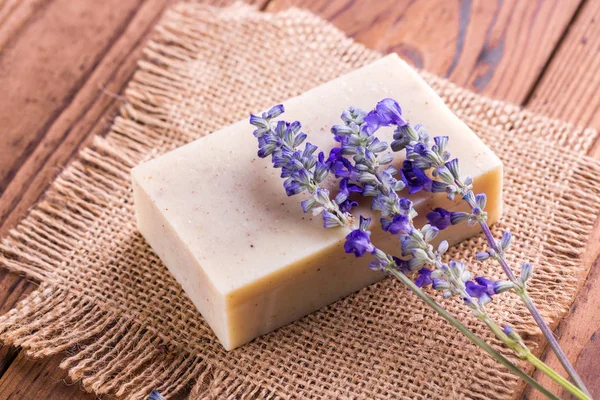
[(568, 89), (497, 48), (64, 62)]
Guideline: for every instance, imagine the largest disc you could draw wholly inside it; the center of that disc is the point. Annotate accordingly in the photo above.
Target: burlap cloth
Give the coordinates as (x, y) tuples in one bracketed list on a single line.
[(126, 325)]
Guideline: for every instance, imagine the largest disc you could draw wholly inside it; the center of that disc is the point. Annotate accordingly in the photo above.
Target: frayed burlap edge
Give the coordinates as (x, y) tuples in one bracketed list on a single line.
[(52, 320)]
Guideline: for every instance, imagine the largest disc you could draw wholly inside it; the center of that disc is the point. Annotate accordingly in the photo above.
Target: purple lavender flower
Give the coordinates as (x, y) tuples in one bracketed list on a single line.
[(358, 241), (401, 265), (478, 291), (414, 178), (424, 278), (330, 220), (400, 223), (335, 155), (387, 112), (484, 289), (439, 218), (342, 198)]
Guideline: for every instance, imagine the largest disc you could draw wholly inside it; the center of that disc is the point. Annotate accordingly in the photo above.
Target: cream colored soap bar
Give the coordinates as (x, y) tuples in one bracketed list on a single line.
[(244, 252)]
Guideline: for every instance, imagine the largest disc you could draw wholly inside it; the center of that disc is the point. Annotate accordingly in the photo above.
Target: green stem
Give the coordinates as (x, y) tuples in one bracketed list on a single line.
[(523, 352), (470, 335), (574, 390)]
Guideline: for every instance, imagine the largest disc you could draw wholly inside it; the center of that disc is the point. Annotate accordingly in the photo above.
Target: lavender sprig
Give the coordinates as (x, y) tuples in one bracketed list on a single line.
[(453, 278), (302, 169), (358, 241), (424, 155)]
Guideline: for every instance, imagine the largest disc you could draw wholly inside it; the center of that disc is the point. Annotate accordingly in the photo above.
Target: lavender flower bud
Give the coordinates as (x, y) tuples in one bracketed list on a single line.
[(267, 150), (408, 244), (440, 144), (420, 254), (322, 196), (438, 187), (398, 185), (349, 149), (443, 247), (469, 197), (503, 286), (376, 266), (481, 200), (445, 175), (299, 139), (437, 273), (308, 204), (309, 149), (429, 232), (292, 187), (386, 159), (452, 166), (419, 259), (341, 130), (320, 173), (506, 240), (380, 256), (378, 146), (440, 284), (370, 190), (526, 272), (451, 191), (330, 220), (482, 256), (275, 111), (466, 275), (368, 178), (364, 223), (458, 217), (456, 268)]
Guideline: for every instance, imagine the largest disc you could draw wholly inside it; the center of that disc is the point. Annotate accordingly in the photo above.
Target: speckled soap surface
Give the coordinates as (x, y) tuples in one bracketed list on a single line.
[(244, 252)]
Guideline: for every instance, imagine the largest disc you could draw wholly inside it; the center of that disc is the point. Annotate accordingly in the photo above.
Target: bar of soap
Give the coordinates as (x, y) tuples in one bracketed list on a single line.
[(245, 253)]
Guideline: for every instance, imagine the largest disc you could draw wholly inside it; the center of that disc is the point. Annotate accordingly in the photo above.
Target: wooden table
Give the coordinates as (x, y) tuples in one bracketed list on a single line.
[(63, 64)]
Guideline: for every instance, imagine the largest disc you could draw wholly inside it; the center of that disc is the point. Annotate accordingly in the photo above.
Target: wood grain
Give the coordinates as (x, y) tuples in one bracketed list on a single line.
[(568, 90), (39, 379), (492, 47), (89, 111)]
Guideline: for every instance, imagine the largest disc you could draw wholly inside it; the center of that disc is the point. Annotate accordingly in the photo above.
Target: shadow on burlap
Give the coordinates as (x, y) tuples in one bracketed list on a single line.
[(127, 327)]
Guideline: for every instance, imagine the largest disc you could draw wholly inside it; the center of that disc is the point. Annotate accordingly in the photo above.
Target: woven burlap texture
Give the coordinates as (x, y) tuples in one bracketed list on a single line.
[(127, 327)]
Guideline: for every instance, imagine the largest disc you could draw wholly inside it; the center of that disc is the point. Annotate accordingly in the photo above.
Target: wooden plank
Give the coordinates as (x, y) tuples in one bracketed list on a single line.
[(58, 101), (568, 90), (39, 379), (88, 111), (496, 48), (40, 74)]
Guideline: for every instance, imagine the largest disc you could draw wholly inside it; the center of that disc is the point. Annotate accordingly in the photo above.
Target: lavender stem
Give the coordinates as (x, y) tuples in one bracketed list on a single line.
[(522, 293)]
